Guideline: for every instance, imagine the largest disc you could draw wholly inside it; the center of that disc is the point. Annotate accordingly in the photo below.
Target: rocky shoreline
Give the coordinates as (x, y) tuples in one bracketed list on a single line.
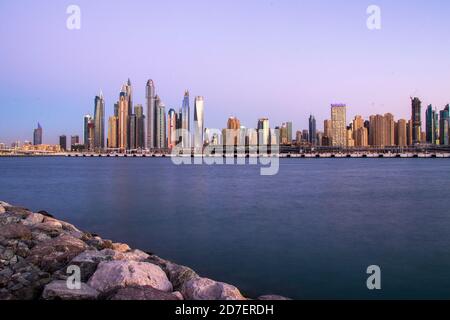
[(45, 258)]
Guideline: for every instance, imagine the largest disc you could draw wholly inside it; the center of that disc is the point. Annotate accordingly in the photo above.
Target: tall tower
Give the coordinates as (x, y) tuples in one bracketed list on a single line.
[(99, 120), (444, 126), (171, 128), (123, 121), (416, 106), (263, 131), (160, 124), (430, 125), (150, 96), (87, 119), (186, 120), (140, 126), (312, 130), (339, 125), (37, 135), (199, 122)]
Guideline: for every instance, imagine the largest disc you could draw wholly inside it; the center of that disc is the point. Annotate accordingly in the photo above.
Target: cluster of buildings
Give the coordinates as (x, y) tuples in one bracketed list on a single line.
[(131, 130), (379, 130)]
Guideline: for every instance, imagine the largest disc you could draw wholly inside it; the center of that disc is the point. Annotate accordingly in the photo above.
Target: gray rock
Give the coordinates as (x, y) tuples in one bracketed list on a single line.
[(33, 218), (58, 290), (115, 274), (140, 293), (207, 289), (89, 260), (15, 231), (54, 254), (177, 274), (18, 211)]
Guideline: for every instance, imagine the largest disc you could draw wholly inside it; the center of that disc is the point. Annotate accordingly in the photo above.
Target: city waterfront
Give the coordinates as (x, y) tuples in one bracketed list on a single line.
[(308, 232)]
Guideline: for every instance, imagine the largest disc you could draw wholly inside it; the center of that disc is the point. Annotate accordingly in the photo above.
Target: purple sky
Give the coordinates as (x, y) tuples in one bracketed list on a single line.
[(248, 58)]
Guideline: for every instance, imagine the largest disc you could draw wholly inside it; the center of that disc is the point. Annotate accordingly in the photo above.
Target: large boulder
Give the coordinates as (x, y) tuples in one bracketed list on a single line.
[(33, 218), (54, 254), (18, 211), (89, 260), (111, 275), (177, 274), (140, 293), (58, 290), (207, 289), (121, 247), (15, 231)]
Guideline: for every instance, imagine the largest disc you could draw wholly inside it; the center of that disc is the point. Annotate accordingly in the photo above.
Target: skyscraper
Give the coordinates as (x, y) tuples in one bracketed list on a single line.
[(160, 124), (37, 135), (312, 130), (150, 95), (171, 128), (123, 121), (339, 125), (389, 127), (113, 132), (140, 126), (199, 122), (99, 120), (263, 131), (132, 131), (87, 119), (402, 133), (431, 126), (63, 142), (377, 131), (186, 120), (289, 132), (444, 126), (231, 136), (416, 106)]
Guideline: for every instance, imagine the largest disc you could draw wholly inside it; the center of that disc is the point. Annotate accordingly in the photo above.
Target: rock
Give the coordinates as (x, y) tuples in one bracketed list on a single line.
[(33, 218), (45, 213), (272, 297), (15, 231), (178, 295), (120, 247), (89, 260), (4, 204), (2, 209), (49, 226), (18, 211), (99, 243), (207, 289), (58, 290), (39, 236), (54, 254), (135, 255), (114, 274), (140, 293), (177, 274)]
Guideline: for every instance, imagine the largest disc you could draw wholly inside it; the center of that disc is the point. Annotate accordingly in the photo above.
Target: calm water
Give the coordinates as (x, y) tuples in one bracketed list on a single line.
[(308, 232)]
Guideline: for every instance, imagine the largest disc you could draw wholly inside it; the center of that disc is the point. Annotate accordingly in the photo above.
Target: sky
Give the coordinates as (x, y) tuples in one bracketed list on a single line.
[(280, 59)]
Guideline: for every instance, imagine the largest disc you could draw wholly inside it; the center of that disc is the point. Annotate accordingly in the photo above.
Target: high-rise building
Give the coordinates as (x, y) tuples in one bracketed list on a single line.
[(171, 129), (389, 125), (123, 121), (116, 109), (185, 121), (444, 126), (432, 125), (377, 131), (74, 140), (416, 106), (409, 133), (91, 135), (402, 133), (263, 131), (150, 94), (339, 125), (132, 130), (37, 135), (361, 137), (327, 132), (113, 132), (305, 135), (161, 138), (99, 120), (63, 142), (312, 130), (140, 127), (199, 122), (231, 136), (87, 119)]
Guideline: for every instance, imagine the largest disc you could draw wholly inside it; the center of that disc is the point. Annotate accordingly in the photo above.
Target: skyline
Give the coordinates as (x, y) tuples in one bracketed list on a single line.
[(278, 69)]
